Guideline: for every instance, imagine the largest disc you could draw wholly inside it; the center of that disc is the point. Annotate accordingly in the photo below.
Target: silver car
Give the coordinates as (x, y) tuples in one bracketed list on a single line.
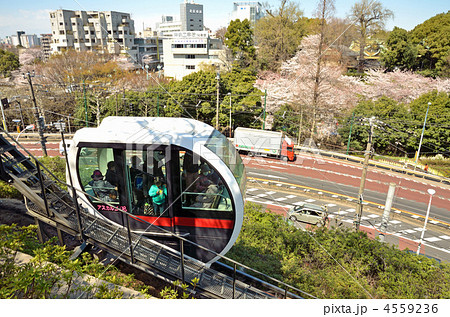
[(309, 213)]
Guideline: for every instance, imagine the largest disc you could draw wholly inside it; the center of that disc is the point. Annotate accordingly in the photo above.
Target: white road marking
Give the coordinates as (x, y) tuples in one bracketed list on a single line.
[(432, 239), (267, 175)]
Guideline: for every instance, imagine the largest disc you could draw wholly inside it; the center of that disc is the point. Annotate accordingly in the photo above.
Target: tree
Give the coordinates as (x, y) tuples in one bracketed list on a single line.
[(239, 38), (369, 17), (400, 126), (400, 53), (294, 85), (278, 34), (196, 97), (220, 33), (73, 67), (431, 38), (325, 9), (436, 138), (8, 63)]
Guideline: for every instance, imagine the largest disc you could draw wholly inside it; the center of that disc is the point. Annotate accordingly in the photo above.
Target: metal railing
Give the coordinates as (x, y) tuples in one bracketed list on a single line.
[(142, 251)]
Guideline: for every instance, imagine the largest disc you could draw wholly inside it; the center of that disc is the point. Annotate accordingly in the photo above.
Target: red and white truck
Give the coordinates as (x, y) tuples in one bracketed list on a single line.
[(264, 143)]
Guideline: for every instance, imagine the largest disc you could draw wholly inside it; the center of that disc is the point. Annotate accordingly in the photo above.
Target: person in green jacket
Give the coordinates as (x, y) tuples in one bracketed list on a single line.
[(158, 193)]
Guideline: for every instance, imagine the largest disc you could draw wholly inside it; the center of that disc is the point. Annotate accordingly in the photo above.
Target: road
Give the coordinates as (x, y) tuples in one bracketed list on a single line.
[(322, 178), (344, 178)]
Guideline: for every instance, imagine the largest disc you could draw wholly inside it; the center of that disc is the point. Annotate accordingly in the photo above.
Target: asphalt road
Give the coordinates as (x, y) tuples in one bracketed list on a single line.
[(344, 179)]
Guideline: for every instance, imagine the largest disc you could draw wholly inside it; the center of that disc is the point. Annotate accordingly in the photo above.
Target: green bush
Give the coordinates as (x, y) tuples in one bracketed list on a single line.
[(335, 263), (8, 191), (56, 165), (51, 269)]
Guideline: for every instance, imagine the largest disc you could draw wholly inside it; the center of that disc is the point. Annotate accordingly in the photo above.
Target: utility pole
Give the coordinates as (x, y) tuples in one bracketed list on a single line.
[(265, 99), (367, 155), (217, 103), (387, 210), (350, 134), (85, 104), (421, 136), (39, 122)]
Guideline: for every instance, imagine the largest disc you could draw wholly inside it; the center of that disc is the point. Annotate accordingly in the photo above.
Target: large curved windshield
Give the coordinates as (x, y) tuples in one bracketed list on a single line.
[(222, 147)]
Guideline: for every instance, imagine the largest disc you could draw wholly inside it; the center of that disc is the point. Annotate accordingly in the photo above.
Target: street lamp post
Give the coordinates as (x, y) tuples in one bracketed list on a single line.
[(431, 192), (423, 130)]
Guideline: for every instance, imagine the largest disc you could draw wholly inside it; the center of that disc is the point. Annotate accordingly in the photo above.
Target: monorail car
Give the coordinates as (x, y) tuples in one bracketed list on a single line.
[(118, 162)]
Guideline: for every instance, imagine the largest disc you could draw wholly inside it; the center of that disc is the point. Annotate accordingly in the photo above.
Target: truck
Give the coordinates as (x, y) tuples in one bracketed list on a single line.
[(264, 143)]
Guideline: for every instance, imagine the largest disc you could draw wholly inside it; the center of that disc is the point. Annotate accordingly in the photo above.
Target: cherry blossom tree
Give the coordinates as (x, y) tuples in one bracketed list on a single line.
[(336, 93), (320, 93)]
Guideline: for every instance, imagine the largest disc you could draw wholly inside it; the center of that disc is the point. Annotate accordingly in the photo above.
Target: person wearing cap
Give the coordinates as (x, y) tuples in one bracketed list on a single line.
[(103, 189), (203, 180)]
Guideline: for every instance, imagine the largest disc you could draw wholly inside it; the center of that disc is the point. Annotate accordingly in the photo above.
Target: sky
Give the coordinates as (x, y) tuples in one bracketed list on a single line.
[(32, 16)]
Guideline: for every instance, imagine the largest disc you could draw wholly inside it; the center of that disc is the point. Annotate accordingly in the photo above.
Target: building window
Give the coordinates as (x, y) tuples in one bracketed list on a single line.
[(190, 56), (61, 32), (190, 66)]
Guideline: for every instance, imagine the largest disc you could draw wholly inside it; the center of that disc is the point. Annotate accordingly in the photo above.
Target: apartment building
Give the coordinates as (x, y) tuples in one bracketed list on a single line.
[(100, 31), (22, 39), (150, 51), (185, 52), (46, 41)]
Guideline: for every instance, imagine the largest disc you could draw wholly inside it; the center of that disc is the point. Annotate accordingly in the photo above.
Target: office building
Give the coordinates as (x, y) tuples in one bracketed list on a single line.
[(252, 11), (185, 52), (191, 16), (191, 19)]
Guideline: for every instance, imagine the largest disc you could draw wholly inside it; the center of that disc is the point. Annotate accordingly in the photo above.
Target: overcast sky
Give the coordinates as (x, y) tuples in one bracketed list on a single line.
[(32, 16)]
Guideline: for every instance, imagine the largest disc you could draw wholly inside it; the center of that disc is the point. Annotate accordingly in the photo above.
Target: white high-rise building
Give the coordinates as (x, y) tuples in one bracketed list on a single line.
[(191, 19), (252, 11), (101, 31), (168, 25), (28, 41), (185, 52)]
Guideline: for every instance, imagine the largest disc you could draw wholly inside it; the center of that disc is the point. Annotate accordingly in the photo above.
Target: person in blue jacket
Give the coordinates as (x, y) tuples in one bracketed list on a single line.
[(158, 193)]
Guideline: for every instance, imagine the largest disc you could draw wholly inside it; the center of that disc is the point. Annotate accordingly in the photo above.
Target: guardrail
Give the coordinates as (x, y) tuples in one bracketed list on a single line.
[(404, 170)]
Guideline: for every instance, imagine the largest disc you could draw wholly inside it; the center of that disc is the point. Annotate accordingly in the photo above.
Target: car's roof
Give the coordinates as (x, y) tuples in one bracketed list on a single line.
[(305, 205)]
